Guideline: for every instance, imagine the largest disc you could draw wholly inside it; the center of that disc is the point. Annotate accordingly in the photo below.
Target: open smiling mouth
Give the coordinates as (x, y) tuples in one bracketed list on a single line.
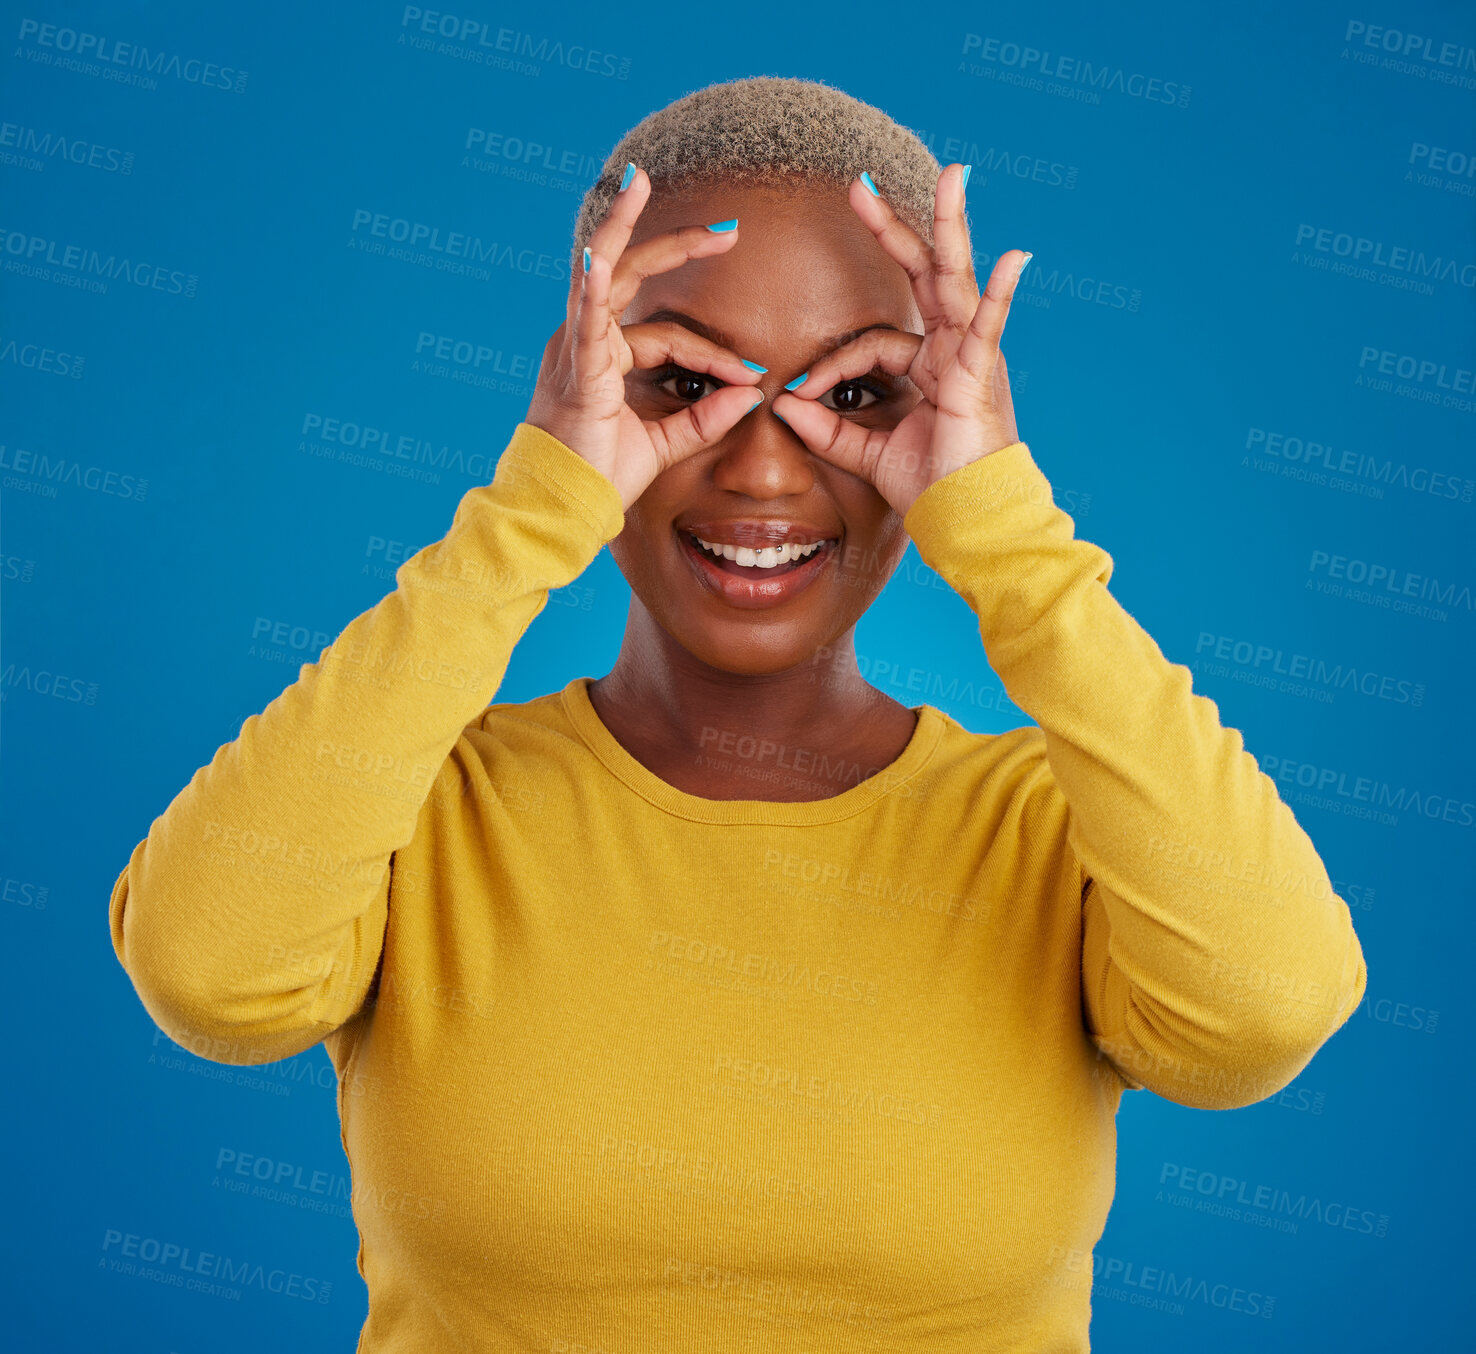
[(753, 578)]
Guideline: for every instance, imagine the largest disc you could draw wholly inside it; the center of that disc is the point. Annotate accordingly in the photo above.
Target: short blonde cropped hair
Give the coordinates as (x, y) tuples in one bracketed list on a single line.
[(753, 129)]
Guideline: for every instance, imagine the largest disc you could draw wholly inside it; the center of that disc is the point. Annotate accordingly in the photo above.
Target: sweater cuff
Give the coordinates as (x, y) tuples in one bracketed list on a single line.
[(988, 495), (533, 454)]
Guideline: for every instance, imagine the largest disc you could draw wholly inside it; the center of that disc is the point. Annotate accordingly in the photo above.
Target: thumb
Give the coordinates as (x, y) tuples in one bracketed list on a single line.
[(828, 435), (702, 424)]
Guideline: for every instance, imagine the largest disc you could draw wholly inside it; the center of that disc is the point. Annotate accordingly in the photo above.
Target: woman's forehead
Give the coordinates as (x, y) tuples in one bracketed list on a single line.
[(824, 279), (806, 209), (813, 324)]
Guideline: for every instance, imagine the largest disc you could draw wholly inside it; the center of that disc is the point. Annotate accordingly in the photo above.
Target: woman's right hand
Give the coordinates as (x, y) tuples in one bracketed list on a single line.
[(580, 394)]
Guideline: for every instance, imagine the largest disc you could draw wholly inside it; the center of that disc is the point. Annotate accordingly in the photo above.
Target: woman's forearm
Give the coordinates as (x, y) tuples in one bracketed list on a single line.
[(1217, 958), (251, 917)]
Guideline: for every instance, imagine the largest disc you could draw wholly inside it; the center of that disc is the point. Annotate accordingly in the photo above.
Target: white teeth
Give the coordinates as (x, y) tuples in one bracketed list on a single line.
[(770, 557)]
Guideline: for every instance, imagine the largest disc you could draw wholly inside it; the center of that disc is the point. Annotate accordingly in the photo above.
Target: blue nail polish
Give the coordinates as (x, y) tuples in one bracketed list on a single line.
[(630, 173), (798, 381), (722, 227), (866, 179), (968, 169), (752, 366), (781, 418), (586, 258)]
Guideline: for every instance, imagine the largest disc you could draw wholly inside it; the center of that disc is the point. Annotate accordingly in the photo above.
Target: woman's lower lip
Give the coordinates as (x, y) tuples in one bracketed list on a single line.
[(763, 589)]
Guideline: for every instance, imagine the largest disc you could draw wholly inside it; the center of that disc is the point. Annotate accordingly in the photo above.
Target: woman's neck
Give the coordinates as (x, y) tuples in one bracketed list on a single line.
[(714, 733)]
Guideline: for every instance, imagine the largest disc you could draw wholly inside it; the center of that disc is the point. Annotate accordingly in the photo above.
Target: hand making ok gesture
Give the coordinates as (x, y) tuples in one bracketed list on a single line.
[(966, 412)]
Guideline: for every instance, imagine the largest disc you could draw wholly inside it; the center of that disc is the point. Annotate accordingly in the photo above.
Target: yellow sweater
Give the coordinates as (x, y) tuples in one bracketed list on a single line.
[(624, 1068)]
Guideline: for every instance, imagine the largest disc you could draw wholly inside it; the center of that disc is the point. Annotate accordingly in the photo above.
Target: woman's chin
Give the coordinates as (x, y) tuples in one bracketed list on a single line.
[(754, 653)]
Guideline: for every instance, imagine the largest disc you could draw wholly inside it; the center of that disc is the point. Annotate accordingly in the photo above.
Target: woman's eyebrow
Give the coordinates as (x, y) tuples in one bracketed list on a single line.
[(713, 335)]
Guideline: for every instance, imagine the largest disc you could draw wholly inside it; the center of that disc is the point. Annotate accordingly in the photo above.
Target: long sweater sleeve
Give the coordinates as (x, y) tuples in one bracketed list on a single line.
[(252, 916), (1216, 957)]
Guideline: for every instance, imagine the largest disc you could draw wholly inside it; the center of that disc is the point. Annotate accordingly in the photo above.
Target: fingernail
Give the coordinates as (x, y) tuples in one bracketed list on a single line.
[(866, 179), (722, 227), (752, 366), (968, 169), (586, 258), (757, 402), (798, 381), (782, 419), (630, 173), (1021, 273)]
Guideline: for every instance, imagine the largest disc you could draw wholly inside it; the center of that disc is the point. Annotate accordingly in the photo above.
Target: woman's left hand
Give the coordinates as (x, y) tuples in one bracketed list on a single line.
[(965, 412)]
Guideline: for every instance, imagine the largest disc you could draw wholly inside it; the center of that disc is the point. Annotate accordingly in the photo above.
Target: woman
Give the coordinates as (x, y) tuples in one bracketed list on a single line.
[(724, 1001)]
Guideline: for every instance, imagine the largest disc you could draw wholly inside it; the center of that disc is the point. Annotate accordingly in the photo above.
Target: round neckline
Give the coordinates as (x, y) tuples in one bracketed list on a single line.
[(587, 722)]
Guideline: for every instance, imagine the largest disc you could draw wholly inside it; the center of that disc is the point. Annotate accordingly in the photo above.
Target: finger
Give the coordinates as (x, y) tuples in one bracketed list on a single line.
[(660, 254), (824, 432), (891, 350), (589, 346), (701, 424), (905, 246), (623, 211), (613, 233), (611, 241), (610, 237), (980, 347), (953, 256), (651, 345), (1004, 398)]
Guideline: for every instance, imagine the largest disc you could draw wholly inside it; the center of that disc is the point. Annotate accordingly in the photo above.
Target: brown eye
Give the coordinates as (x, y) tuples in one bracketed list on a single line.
[(851, 397), (688, 383)]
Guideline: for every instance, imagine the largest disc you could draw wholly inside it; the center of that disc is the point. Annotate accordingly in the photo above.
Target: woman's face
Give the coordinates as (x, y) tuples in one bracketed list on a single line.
[(803, 277)]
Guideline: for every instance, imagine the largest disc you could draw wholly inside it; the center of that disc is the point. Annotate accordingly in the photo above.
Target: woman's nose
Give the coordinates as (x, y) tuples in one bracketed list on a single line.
[(762, 456)]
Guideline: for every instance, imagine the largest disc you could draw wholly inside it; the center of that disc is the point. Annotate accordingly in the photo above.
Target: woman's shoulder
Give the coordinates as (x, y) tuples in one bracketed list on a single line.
[(1008, 767), (505, 717), (520, 728), (506, 755), (1017, 750)]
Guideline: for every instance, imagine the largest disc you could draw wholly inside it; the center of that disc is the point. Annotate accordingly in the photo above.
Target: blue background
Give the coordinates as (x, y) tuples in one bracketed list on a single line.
[(1140, 400)]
